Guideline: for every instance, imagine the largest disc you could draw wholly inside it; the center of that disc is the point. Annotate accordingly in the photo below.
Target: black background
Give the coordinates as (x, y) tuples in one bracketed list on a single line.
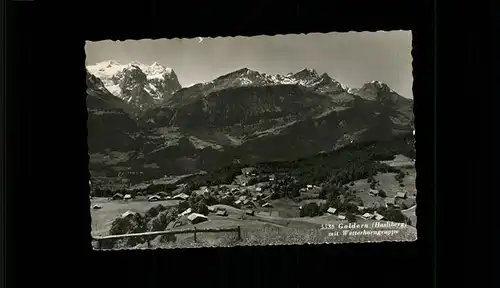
[(48, 221)]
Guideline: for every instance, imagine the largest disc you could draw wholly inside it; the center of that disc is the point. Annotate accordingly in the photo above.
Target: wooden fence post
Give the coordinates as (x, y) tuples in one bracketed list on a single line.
[(239, 233), (194, 234)]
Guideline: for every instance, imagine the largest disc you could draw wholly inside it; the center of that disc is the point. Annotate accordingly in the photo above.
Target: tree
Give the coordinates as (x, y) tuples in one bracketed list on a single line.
[(394, 215), (183, 206), (309, 210), (382, 193), (201, 208), (351, 217)]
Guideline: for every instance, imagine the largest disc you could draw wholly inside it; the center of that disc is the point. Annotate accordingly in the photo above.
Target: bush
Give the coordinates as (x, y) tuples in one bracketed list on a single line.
[(229, 200), (201, 208), (394, 215), (309, 210), (401, 185), (154, 211), (322, 194), (161, 221), (132, 224), (382, 193), (351, 184), (373, 185), (183, 206), (351, 217), (276, 195)]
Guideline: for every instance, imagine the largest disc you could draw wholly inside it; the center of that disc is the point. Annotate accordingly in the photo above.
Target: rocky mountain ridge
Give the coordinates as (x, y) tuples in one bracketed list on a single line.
[(137, 84), (241, 117)]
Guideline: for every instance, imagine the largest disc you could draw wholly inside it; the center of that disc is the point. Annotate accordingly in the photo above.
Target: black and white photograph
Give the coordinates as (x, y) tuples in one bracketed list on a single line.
[(251, 141)]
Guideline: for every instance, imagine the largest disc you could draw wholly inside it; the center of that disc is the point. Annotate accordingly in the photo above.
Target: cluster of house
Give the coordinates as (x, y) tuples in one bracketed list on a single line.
[(390, 201), (164, 196), (195, 218), (375, 215), (309, 187)]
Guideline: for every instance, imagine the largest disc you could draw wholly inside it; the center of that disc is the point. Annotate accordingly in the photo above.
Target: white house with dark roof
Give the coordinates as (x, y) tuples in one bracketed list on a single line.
[(331, 210), (221, 213), (154, 198), (401, 195), (195, 218), (181, 196), (129, 213), (378, 216), (390, 201), (368, 215)]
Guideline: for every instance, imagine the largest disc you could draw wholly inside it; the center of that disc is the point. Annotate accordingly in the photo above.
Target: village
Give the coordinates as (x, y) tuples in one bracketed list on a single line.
[(253, 197)]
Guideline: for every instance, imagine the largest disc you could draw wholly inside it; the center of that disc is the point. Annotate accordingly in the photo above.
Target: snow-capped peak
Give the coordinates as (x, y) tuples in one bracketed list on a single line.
[(154, 80), (380, 85)]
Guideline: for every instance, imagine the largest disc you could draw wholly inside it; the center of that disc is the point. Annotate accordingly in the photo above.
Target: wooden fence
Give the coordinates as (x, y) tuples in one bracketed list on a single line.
[(99, 240)]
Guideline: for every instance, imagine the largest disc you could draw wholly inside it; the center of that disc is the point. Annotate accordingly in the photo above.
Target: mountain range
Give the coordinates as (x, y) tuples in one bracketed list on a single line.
[(142, 125)]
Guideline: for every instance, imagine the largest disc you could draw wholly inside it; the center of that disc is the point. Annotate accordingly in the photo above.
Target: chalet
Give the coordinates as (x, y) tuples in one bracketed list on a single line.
[(267, 204), (196, 218), (250, 212), (221, 213), (154, 198), (248, 171), (127, 197), (186, 212), (242, 198), (212, 209), (129, 213), (331, 210), (162, 194), (272, 178), (373, 192), (181, 196), (258, 189), (341, 217), (96, 206), (401, 195), (235, 189), (254, 199), (309, 187), (361, 208), (367, 216), (246, 202), (378, 216), (117, 196), (390, 202), (238, 202), (168, 198)]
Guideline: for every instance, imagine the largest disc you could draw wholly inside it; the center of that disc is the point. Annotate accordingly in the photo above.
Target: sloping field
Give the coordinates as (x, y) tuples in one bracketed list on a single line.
[(111, 209), (268, 234)]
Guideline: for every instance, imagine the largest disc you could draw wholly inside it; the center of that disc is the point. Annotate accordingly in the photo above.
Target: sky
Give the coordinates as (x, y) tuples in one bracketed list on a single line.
[(352, 58)]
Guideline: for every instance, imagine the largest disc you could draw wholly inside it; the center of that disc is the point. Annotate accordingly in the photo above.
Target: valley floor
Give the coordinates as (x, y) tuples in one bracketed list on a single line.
[(281, 223)]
